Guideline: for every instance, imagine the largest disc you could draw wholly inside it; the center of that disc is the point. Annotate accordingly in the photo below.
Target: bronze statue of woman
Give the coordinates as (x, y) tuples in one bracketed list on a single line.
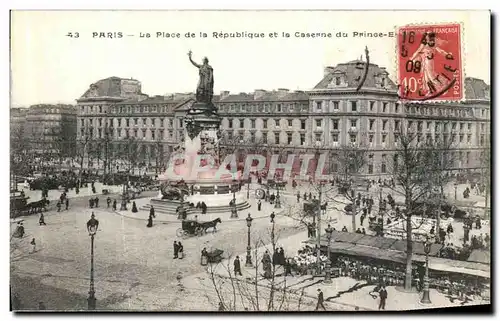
[(205, 89)]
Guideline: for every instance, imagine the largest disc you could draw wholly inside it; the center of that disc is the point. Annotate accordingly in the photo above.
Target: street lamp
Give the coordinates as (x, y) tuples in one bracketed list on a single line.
[(328, 275), (92, 226), (234, 212), (248, 262), (248, 187), (277, 203), (426, 297)]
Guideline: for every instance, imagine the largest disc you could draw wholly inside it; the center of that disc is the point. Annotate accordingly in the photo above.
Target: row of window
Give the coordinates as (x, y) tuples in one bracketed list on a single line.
[(128, 121), (264, 107)]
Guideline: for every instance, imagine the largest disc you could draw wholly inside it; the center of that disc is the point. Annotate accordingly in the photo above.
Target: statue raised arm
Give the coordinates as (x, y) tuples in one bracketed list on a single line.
[(190, 53), (205, 88)]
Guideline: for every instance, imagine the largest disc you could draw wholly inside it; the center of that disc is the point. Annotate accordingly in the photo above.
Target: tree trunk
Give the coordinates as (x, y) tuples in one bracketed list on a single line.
[(409, 246), (438, 217), (354, 215)]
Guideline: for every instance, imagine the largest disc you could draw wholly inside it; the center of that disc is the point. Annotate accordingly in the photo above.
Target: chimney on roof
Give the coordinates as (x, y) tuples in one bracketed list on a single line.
[(282, 92), (258, 93), (328, 70), (224, 94), (181, 96)]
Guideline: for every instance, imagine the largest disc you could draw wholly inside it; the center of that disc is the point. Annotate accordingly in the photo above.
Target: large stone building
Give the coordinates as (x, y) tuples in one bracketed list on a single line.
[(114, 112), (49, 130)]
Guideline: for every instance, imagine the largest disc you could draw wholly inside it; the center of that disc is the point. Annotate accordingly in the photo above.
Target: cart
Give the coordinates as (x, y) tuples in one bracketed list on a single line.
[(189, 228)]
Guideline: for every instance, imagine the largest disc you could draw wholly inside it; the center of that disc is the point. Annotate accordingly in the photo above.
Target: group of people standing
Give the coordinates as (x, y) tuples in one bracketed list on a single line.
[(178, 250)]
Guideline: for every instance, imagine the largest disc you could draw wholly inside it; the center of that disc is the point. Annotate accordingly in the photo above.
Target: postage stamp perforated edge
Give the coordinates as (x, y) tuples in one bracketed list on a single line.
[(462, 57)]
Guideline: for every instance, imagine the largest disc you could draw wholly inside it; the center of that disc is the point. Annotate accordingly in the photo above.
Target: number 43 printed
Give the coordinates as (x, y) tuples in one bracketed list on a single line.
[(73, 35)]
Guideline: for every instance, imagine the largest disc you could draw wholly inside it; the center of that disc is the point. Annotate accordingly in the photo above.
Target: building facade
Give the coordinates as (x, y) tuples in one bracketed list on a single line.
[(114, 114), (49, 130)]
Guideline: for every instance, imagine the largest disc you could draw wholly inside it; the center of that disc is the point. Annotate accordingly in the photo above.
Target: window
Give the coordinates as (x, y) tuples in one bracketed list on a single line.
[(83, 109), (252, 137), (384, 107), (428, 139), (335, 105), (278, 108), (230, 135), (82, 132), (419, 126), (354, 123), (264, 138), (303, 124), (119, 122), (335, 124), (99, 133), (337, 81), (354, 106), (370, 139), (127, 122), (264, 123), (396, 138), (383, 168), (372, 121), (318, 138), (302, 139), (397, 108), (372, 105), (461, 139), (335, 138), (370, 168), (352, 138), (482, 140), (252, 123), (384, 124), (153, 135), (290, 122), (454, 126), (469, 126), (482, 127), (241, 136), (230, 123), (469, 137), (135, 121), (319, 105), (384, 138), (436, 127), (428, 125), (318, 122), (171, 122), (467, 157), (242, 123), (82, 123), (276, 138), (461, 126), (289, 138), (410, 124)]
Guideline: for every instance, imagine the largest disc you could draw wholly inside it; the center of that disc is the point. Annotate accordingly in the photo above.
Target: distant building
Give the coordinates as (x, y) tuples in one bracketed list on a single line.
[(114, 112), (18, 122), (51, 130)]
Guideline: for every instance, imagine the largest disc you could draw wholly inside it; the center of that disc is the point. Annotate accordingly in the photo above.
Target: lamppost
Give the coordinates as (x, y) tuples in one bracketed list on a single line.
[(426, 297), (328, 274), (248, 187), (277, 203), (92, 226), (456, 185), (248, 262), (234, 212)]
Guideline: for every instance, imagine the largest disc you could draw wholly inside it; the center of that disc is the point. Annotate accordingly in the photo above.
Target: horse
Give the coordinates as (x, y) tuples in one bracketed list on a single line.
[(212, 224)]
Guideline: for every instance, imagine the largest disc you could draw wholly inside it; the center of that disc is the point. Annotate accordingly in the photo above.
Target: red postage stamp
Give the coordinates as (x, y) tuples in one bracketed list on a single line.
[(430, 62)]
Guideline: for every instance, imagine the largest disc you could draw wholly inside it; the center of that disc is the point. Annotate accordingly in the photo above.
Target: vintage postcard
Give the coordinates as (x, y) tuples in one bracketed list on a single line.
[(250, 161)]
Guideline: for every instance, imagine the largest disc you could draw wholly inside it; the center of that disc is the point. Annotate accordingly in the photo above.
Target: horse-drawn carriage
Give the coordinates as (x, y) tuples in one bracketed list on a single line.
[(191, 227)]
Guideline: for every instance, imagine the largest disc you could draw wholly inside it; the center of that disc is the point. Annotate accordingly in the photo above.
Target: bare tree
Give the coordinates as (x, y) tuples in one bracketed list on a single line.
[(413, 180), (254, 293), (440, 160)]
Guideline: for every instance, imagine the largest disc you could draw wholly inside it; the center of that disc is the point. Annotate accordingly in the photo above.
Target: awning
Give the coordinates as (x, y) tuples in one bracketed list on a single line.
[(480, 256)]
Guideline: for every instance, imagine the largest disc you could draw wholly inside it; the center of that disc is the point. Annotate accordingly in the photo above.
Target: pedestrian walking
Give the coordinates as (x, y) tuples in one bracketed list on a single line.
[(33, 246), (181, 250), (321, 299), (152, 211), (108, 201), (91, 202), (97, 202), (176, 250), (298, 197), (383, 297), (58, 205), (114, 205), (259, 205), (67, 203), (41, 221), (237, 266)]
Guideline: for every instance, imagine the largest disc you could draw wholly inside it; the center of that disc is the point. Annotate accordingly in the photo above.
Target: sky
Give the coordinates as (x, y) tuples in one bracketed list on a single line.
[(48, 66)]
